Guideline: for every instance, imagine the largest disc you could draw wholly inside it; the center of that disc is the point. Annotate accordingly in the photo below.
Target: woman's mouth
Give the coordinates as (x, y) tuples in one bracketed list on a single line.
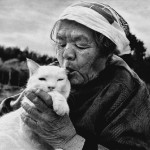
[(70, 72)]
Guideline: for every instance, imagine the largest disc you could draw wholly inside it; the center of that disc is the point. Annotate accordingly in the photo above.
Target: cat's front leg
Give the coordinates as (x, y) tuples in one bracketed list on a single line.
[(60, 104)]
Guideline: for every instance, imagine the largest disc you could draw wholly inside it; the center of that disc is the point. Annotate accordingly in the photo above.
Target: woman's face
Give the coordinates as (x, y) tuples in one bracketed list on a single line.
[(78, 52)]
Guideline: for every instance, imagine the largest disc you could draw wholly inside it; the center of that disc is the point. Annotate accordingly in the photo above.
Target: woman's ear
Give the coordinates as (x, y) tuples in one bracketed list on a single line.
[(32, 66)]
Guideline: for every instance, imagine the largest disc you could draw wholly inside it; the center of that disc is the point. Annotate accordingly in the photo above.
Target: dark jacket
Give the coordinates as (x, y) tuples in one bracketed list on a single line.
[(113, 110)]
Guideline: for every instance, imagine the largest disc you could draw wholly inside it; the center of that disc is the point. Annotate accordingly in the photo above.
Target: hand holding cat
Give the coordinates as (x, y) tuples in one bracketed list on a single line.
[(54, 129)]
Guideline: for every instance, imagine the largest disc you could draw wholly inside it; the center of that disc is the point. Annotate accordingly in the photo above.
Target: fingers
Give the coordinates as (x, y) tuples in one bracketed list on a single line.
[(45, 97), (29, 121), (31, 111), (34, 112), (33, 123), (37, 101)]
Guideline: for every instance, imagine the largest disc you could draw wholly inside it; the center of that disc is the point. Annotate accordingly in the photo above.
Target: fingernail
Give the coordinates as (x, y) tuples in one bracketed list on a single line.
[(30, 95), (37, 91)]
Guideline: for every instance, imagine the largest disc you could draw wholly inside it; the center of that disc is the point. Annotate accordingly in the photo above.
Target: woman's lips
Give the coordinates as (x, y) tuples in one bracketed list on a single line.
[(70, 72)]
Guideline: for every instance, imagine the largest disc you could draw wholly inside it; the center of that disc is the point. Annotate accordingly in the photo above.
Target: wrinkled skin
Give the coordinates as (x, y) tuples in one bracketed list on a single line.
[(78, 52), (52, 128)]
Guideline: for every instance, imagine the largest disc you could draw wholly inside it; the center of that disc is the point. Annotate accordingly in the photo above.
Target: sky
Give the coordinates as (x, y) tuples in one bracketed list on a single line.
[(27, 23)]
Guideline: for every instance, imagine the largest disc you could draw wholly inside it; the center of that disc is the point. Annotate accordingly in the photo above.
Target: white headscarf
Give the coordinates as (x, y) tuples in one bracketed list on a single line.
[(101, 18)]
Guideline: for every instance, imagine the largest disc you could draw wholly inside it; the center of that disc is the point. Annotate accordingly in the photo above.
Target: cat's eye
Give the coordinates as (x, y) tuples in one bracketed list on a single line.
[(60, 79), (42, 79)]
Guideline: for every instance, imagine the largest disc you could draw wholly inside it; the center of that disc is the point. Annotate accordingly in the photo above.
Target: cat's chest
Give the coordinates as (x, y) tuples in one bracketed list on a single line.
[(10, 121)]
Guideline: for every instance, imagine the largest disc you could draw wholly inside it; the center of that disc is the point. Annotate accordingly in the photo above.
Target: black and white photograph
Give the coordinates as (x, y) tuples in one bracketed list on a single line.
[(74, 75)]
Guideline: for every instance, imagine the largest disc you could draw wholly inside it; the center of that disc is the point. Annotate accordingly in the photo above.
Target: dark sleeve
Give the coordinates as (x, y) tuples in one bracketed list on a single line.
[(9, 104), (126, 124)]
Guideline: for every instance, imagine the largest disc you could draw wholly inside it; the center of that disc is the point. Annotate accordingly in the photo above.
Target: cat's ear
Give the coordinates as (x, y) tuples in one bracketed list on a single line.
[(32, 66)]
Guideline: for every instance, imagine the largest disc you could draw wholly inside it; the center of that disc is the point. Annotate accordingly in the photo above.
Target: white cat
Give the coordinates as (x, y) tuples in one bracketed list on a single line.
[(14, 134)]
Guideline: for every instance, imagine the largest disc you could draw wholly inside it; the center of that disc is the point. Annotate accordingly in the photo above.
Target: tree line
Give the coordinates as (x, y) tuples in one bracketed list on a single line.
[(13, 68), (8, 53)]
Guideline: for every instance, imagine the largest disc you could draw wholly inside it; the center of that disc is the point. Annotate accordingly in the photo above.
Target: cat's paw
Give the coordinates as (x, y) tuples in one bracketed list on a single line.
[(61, 108), (60, 104)]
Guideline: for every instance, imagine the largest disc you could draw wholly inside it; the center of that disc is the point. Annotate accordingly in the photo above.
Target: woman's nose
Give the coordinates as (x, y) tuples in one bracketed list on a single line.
[(69, 52)]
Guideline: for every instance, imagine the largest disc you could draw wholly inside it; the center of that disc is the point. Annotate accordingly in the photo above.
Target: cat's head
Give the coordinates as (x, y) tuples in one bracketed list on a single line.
[(48, 78)]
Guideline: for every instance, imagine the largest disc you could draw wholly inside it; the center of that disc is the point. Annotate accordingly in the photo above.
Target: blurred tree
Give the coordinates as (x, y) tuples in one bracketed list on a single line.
[(1, 51), (137, 47)]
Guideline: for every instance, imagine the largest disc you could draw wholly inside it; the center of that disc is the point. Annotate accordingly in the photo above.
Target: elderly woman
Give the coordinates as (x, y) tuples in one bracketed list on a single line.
[(109, 103)]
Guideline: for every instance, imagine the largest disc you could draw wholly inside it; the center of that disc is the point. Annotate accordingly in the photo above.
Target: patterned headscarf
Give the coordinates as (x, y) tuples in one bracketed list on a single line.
[(101, 18)]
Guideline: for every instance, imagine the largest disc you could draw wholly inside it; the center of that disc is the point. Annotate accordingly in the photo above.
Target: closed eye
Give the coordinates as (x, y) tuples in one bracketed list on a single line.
[(62, 45), (60, 79), (42, 79)]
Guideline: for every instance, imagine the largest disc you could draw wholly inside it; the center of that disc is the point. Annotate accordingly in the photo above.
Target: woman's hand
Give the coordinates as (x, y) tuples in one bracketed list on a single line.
[(53, 129)]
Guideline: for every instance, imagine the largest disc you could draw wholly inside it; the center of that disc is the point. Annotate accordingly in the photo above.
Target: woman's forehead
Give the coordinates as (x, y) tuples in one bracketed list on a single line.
[(71, 28)]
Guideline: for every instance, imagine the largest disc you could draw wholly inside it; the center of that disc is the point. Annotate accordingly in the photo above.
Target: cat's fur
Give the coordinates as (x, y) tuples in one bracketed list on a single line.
[(14, 134)]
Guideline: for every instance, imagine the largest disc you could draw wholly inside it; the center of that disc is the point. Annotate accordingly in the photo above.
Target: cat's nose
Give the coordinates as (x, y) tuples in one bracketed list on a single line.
[(50, 88)]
